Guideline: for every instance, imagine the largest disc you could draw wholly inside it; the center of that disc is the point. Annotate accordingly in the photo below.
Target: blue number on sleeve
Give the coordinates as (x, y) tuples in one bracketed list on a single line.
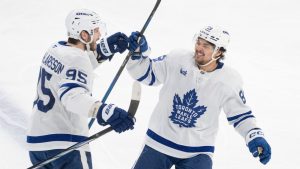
[(242, 96), (72, 75), (41, 105), (82, 77)]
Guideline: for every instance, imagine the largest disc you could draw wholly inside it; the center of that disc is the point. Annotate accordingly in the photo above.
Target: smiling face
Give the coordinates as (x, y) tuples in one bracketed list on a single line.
[(203, 51)]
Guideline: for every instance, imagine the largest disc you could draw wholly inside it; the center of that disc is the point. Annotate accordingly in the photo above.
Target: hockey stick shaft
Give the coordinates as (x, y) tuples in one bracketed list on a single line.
[(126, 60), (134, 103)]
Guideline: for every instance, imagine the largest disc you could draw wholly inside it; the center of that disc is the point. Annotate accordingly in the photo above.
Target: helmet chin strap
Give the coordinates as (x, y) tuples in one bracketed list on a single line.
[(212, 58), (87, 44)]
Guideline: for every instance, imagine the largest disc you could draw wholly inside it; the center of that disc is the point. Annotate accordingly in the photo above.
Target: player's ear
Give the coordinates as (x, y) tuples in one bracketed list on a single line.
[(85, 36), (218, 54)]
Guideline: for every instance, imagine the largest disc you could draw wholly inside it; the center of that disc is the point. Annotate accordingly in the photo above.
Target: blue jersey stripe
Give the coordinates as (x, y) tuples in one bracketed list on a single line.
[(152, 78), (63, 43), (179, 147), (69, 87), (244, 118), (238, 116), (146, 74), (55, 137)]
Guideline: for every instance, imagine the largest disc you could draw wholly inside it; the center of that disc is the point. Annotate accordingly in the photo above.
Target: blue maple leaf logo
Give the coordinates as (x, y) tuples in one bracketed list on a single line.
[(185, 112)]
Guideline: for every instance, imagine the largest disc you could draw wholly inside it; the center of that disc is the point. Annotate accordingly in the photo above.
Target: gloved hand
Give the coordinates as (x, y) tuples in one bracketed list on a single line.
[(258, 146), (138, 48), (108, 46), (116, 117)]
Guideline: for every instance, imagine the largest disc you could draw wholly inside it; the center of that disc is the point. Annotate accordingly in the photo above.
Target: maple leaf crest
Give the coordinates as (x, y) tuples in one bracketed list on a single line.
[(186, 112)]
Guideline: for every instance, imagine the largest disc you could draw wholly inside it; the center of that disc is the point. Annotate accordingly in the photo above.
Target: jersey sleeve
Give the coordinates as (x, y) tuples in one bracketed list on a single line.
[(75, 87), (238, 113), (148, 71)]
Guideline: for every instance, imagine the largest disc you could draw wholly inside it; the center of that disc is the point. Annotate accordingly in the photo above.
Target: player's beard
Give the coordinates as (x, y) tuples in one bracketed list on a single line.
[(93, 46), (200, 58)]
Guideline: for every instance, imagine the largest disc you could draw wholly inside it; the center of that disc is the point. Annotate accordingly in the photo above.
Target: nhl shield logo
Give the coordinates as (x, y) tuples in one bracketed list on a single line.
[(186, 112)]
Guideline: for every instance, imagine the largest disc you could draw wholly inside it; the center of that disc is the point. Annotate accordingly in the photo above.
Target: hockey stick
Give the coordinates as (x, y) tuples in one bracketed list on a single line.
[(134, 103), (126, 60)]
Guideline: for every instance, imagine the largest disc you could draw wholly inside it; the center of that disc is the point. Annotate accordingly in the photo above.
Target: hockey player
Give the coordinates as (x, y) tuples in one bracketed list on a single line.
[(196, 86), (64, 102)]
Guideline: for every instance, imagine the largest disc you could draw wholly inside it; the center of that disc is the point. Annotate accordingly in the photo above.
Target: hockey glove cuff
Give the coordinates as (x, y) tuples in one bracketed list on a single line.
[(105, 111), (258, 145), (108, 46), (116, 117)]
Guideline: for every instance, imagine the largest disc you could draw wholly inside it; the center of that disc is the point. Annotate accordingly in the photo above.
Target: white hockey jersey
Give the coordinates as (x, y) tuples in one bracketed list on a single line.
[(60, 111), (184, 122)]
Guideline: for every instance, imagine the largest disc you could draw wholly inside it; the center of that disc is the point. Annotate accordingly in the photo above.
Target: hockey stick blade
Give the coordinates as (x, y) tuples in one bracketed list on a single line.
[(134, 103), (135, 98), (126, 59)]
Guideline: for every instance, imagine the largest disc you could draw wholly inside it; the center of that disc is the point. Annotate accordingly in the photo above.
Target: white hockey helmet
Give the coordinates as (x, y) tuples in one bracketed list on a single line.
[(215, 35), (80, 20)]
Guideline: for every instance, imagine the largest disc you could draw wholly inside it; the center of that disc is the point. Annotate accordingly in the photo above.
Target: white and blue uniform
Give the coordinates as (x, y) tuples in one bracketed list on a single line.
[(61, 109), (184, 122)]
